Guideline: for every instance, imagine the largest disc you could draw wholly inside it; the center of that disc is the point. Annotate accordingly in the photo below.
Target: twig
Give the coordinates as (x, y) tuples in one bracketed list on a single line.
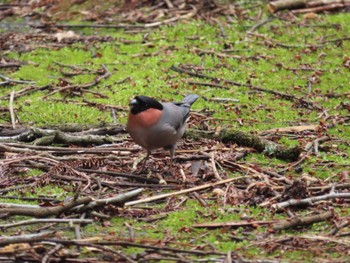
[(132, 244), (256, 26), (45, 211), (11, 65), (302, 221), (30, 238), (233, 224), (190, 82), (12, 113), (215, 171), (118, 199), (162, 196), (321, 8), (125, 175), (310, 200), (118, 253), (26, 91), (10, 81), (46, 258), (53, 220), (336, 229)]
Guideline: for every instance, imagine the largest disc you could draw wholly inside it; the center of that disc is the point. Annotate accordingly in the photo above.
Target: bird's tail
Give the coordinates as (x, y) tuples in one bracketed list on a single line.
[(190, 99)]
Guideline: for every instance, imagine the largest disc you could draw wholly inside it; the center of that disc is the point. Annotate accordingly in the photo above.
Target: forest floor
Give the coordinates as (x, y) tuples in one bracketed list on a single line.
[(261, 175)]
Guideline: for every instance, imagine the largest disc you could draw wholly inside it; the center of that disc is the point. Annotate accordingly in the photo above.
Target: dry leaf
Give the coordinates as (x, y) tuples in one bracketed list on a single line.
[(65, 34)]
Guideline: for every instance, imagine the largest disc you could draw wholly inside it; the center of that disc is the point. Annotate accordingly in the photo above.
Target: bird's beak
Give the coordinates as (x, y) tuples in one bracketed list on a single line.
[(133, 102)]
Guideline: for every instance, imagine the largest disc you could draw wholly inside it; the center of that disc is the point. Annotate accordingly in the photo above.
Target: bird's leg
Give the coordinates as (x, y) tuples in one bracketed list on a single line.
[(144, 161), (172, 153)]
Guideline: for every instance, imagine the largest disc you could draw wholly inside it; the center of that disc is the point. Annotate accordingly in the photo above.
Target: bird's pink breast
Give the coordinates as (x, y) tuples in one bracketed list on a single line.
[(144, 119)]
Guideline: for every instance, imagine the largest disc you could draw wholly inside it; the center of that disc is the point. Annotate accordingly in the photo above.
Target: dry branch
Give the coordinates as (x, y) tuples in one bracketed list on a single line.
[(162, 196), (47, 137), (132, 244), (30, 238), (116, 200), (302, 221), (310, 200), (40, 221), (233, 224), (12, 112), (323, 8), (44, 211), (9, 81), (286, 4), (311, 5), (81, 204)]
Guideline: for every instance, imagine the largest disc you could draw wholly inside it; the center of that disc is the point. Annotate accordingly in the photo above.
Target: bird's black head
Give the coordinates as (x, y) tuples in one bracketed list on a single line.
[(142, 103)]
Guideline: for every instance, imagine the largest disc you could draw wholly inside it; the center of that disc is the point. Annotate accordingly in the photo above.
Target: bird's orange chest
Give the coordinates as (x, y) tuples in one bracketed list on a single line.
[(144, 119)]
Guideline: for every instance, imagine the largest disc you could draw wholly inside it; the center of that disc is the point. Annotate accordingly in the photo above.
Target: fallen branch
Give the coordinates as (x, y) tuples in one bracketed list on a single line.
[(337, 227), (81, 204), (302, 221), (162, 196), (40, 221), (12, 113), (9, 81), (318, 9), (310, 200), (234, 224), (286, 4), (116, 200), (47, 137), (44, 211), (139, 178), (132, 244), (30, 238), (26, 91)]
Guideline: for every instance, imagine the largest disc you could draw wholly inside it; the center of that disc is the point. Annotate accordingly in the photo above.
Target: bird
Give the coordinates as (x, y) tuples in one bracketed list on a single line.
[(153, 124)]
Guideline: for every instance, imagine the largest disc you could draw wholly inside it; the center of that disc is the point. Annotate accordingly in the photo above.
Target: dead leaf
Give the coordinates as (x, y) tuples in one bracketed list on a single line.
[(14, 248), (65, 34)]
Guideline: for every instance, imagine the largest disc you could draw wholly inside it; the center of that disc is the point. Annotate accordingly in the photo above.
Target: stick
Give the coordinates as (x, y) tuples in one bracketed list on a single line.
[(12, 113), (57, 248), (53, 220), (310, 200), (215, 171), (25, 238), (162, 196), (9, 81), (302, 221), (131, 244), (233, 224), (118, 199)]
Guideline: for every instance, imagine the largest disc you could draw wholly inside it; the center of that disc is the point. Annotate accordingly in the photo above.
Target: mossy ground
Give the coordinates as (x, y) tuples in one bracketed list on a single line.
[(147, 61)]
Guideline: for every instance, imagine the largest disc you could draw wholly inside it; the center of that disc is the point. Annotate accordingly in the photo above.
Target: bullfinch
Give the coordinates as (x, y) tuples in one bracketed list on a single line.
[(153, 124)]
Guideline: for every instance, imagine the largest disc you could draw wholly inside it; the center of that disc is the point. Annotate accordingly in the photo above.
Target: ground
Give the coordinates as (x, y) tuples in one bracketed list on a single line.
[(265, 82)]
